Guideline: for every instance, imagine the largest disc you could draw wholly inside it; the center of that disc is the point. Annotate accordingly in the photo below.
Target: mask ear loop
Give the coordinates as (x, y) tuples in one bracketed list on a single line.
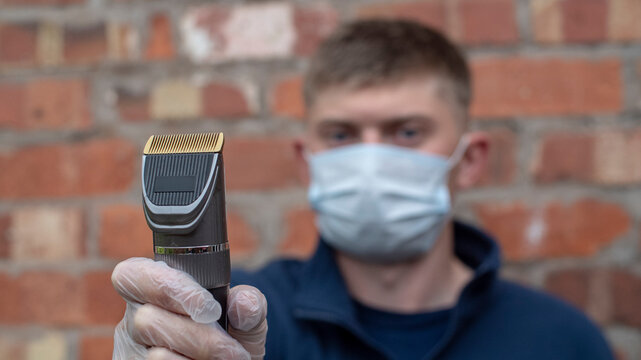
[(458, 153)]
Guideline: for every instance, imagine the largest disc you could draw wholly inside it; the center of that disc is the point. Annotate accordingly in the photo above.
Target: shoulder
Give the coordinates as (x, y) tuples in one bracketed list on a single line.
[(529, 302), (541, 315)]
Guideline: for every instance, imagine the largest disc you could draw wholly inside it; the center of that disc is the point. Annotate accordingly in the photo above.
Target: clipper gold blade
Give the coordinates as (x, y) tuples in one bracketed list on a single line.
[(184, 143)]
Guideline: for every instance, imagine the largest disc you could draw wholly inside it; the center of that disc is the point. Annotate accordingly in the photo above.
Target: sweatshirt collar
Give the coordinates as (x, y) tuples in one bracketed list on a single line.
[(322, 293)]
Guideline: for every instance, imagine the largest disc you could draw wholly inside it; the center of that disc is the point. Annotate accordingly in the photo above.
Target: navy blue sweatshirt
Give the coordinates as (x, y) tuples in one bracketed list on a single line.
[(312, 317)]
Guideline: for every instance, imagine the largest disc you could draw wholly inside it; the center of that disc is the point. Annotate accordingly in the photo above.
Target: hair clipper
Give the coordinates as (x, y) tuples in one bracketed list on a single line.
[(183, 190)]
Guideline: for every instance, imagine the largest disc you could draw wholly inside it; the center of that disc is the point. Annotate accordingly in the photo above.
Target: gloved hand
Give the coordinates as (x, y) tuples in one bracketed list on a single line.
[(170, 316)]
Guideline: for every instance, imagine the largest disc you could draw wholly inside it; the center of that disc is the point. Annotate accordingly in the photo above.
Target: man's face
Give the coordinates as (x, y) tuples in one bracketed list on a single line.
[(417, 113)]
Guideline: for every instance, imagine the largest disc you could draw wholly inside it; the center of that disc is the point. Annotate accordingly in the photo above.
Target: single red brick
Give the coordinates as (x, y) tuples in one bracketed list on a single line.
[(301, 238), (584, 20), (45, 104), (85, 44), (160, 45), (555, 230), (57, 103), (124, 232), (79, 169), (5, 225), (501, 164), (287, 98), (626, 297), (586, 226), (133, 107), (506, 87), (96, 347), (431, 13), (18, 43), (260, 163), (488, 22), (243, 241), (565, 156), (102, 304), (224, 101), (12, 106), (11, 310), (312, 26), (51, 298)]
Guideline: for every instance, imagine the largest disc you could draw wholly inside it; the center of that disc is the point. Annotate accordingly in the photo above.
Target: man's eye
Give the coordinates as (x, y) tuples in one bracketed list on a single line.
[(408, 136), (407, 133), (339, 136)]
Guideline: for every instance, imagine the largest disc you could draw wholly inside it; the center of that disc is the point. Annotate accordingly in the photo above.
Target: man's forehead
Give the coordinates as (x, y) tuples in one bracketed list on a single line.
[(421, 97), (386, 100), (428, 81)]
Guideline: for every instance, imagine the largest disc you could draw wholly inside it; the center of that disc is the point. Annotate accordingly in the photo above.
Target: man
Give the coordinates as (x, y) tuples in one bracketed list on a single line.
[(386, 150)]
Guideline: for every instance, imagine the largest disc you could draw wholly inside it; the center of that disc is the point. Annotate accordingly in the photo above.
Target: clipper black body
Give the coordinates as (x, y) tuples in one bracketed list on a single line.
[(184, 202)]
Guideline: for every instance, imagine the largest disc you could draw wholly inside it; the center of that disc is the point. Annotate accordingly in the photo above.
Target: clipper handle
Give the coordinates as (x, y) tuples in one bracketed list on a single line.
[(208, 265), (221, 294)]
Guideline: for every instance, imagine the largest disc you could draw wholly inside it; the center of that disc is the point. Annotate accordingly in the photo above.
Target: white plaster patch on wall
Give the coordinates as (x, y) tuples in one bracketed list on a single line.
[(536, 230), (260, 31), (197, 43)]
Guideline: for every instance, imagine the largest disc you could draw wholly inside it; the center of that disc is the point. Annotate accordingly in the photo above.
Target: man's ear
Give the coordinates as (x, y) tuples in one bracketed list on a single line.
[(301, 161), (474, 161)]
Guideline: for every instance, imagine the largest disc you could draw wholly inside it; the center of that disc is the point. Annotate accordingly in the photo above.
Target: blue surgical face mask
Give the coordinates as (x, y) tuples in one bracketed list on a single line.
[(381, 203)]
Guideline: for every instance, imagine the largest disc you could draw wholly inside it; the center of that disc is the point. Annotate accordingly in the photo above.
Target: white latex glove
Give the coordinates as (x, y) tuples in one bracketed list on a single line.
[(170, 316)]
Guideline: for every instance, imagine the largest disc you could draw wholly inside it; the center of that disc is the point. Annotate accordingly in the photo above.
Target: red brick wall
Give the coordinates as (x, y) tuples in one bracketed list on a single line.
[(84, 83)]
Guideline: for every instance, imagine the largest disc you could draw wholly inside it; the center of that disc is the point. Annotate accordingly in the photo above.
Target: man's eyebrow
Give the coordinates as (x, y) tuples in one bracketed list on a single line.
[(390, 120), (335, 122), (406, 118)]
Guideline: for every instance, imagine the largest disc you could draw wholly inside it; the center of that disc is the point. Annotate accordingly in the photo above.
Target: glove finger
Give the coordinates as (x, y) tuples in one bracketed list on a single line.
[(246, 312), (143, 281), (157, 327), (159, 353), (125, 348)]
